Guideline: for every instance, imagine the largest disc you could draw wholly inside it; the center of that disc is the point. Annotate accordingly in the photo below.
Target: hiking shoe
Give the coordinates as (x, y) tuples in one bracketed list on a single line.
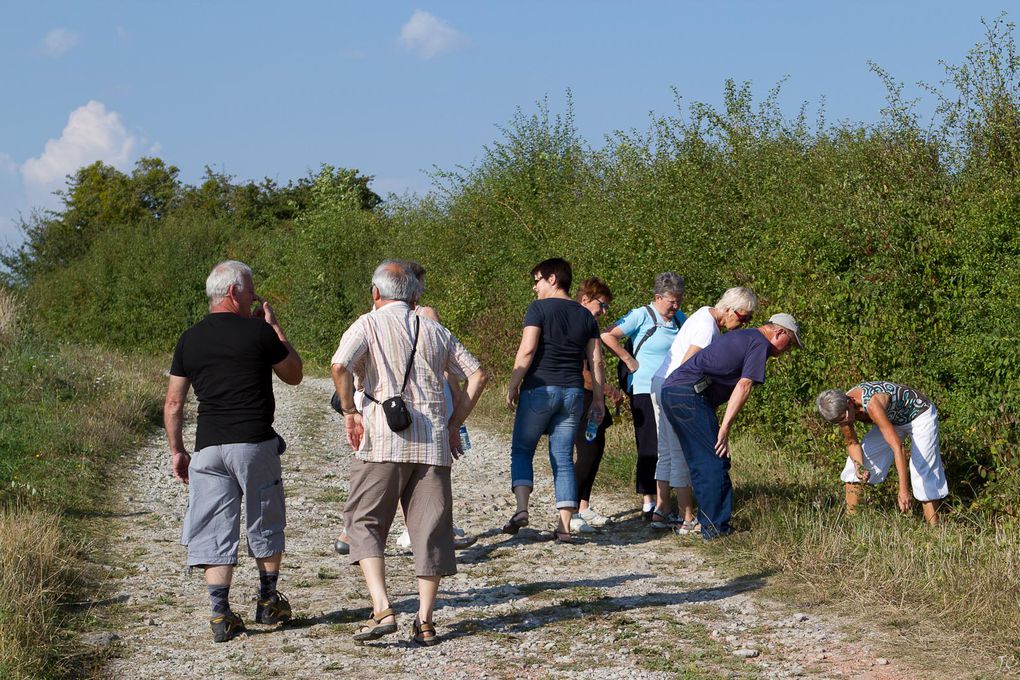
[(577, 524), (593, 518), (226, 627), (661, 521), (273, 609), (685, 528)]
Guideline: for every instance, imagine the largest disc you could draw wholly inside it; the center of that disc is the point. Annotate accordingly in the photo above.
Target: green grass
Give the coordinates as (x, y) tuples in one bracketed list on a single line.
[(66, 414), (950, 592)]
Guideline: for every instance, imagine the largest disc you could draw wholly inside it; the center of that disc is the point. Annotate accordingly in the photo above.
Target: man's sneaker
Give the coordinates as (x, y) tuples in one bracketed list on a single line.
[(661, 521), (462, 539), (274, 609), (593, 518), (404, 540), (226, 627), (578, 525), (686, 528)]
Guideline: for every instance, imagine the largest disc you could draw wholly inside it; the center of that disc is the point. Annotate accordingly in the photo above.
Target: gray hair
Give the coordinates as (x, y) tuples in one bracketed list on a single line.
[(739, 299), (395, 281), (832, 405), (224, 275), (668, 283)]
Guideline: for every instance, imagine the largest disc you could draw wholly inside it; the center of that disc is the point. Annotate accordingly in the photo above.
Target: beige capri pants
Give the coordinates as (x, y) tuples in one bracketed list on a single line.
[(424, 492)]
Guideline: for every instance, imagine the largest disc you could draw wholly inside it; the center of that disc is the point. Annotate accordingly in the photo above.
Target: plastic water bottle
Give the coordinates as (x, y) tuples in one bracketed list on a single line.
[(591, 429), (465, 440)]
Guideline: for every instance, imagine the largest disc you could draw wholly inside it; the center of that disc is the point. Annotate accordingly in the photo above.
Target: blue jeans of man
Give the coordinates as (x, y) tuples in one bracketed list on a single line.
[(697, 428), (557, 412)]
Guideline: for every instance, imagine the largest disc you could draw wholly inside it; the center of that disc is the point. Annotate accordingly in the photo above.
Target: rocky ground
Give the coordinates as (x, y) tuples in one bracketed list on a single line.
[(628, 602)]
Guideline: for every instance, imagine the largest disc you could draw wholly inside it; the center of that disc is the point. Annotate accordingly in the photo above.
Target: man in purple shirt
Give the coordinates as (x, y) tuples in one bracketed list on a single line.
[(723, 372)]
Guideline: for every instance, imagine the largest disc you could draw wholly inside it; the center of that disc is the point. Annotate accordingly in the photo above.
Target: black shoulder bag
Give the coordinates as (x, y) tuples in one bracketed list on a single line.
[(622, 372), (398, 417)]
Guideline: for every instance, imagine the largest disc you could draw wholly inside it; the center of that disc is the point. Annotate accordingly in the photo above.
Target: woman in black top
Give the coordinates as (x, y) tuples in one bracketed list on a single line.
[(547, 388)]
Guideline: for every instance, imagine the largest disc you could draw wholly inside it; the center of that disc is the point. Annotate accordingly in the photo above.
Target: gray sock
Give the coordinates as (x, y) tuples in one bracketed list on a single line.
[(219, 597)]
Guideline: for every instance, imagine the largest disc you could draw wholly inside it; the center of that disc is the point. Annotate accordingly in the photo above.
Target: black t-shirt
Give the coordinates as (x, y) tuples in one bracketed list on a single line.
[(229, 361), (566, 329)]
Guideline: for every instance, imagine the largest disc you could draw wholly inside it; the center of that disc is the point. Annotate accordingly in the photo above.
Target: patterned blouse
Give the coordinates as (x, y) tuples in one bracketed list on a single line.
[(905, 403)]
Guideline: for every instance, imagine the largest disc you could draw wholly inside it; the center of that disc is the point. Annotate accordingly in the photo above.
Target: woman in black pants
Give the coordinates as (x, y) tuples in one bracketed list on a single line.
[(595, 296)]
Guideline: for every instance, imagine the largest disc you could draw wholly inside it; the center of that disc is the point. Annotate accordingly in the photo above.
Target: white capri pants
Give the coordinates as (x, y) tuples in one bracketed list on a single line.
[(672, 464), (927, 476)]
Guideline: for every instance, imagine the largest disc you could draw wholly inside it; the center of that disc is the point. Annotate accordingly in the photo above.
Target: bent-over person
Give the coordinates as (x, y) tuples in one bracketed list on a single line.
[(410, 466), (229, 358), (895, 412)]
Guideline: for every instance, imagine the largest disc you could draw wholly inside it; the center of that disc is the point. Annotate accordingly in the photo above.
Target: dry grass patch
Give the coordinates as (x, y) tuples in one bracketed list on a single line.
[(35, 575)]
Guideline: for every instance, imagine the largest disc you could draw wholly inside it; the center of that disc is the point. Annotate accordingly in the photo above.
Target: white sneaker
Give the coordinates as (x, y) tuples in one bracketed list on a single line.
[(404, 540), (593, 518), (577, 524)]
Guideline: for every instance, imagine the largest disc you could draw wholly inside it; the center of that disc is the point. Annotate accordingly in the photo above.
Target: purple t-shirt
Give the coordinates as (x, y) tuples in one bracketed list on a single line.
[(735, 355)]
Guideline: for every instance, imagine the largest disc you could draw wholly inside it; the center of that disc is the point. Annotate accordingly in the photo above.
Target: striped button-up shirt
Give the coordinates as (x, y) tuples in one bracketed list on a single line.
[(375, 349)]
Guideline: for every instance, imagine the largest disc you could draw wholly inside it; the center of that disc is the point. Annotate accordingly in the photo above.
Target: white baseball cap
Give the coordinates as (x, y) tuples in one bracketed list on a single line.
[(789, 323)]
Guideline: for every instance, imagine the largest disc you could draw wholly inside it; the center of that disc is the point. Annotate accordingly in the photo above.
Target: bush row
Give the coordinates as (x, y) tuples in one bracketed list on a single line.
[(895, 244)]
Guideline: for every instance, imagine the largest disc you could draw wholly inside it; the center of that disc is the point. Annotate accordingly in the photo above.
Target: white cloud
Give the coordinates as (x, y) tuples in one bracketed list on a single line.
[(92, 134), (59, 42), (428, 36)]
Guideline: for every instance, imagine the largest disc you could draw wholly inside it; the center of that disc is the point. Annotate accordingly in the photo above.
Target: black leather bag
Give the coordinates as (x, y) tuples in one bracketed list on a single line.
[(398, 417)]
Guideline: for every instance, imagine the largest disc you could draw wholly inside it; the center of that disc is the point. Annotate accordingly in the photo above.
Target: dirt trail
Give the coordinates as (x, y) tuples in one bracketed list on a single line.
[(627, 602)]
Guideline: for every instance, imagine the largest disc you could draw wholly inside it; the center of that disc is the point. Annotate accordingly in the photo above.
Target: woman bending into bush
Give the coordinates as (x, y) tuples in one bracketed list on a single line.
[(895, 411)]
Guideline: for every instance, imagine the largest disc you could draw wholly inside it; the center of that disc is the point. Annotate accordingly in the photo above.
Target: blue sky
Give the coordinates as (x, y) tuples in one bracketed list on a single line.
[(259, 89)]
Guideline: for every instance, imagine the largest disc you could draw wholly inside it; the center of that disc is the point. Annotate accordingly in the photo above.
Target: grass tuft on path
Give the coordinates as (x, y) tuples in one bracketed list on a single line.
[(66, 413)]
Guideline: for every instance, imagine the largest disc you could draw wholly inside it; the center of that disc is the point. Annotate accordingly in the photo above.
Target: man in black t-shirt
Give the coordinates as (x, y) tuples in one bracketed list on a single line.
[(229, 357)]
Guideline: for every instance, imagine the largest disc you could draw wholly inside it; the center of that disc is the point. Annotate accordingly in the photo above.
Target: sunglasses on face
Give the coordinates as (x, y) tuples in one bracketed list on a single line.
[(742, 317), (603, 305)]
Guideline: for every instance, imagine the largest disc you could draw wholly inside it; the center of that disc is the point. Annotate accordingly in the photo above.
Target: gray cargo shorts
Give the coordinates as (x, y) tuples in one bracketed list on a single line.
[(221, 478)]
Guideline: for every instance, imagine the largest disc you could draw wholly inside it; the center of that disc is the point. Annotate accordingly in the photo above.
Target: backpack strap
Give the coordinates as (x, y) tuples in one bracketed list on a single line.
[(649, 332)]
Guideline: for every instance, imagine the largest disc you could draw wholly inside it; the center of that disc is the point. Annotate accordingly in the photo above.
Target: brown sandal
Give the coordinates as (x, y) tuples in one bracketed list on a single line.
[(517, 520), (424, 633), (562, 536), (374, 628)]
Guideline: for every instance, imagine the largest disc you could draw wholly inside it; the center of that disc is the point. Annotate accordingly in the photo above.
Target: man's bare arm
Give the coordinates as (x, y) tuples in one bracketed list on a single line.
[(173, 421)]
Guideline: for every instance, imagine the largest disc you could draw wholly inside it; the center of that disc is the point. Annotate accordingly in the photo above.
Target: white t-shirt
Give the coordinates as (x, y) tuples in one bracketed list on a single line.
[(700, 330)]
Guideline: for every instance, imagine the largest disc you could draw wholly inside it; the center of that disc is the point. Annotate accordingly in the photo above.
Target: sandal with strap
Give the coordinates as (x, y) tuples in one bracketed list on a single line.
[(424, 633), (374, 628), (562, 536), (517, 520)]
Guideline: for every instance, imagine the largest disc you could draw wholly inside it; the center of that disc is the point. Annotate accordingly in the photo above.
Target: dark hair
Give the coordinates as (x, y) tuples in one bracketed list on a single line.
[(555, 266), (594, 287)]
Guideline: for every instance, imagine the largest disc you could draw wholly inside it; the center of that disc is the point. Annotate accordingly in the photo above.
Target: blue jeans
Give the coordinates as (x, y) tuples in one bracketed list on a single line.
[(557, 412), (697, 428)]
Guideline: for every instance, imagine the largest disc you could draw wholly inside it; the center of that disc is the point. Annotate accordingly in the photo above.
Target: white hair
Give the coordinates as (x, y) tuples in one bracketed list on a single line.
[(224, 275), (395, 282), (739, 299), (832, 405)]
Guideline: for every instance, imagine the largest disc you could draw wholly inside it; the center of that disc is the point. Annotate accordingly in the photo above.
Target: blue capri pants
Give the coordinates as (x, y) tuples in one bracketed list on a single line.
[(557, 412)]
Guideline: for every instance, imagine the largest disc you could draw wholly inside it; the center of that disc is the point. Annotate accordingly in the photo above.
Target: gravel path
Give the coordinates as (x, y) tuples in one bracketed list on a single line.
[(627, 602)]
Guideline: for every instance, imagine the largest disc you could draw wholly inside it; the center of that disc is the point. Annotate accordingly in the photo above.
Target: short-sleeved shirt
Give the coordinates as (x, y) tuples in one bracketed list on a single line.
[(375, 349), (700, 329), (635, 324), (567, 327), (229, 361), (905, 403), (731, 357)]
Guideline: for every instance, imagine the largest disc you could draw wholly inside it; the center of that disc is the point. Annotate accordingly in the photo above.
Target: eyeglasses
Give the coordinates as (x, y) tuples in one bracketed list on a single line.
[(604, 305), (742, 317)]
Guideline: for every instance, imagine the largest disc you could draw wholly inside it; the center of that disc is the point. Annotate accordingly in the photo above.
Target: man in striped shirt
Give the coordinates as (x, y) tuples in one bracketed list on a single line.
[(411, 466)]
